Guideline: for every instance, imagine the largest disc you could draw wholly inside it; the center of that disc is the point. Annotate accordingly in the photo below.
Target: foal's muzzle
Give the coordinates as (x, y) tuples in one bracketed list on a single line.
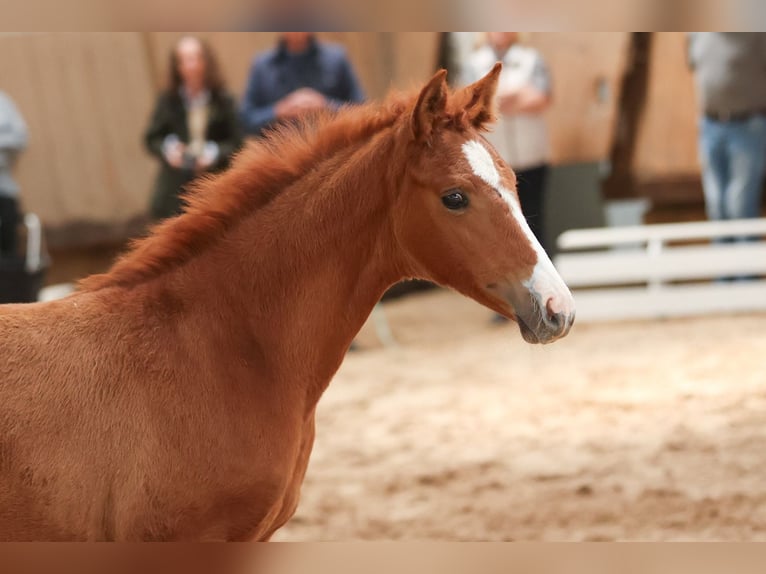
[(543, 325), (544, 310)]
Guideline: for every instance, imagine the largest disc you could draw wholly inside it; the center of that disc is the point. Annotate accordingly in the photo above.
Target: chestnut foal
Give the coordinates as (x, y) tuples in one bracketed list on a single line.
[(173, 398)]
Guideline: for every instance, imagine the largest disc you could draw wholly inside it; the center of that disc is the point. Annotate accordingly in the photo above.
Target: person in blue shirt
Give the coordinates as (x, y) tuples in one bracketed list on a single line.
[(13, 140), (299, 75)]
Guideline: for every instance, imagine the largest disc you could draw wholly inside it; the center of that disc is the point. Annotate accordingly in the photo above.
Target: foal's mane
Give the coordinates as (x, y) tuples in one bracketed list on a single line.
[(257, 175)]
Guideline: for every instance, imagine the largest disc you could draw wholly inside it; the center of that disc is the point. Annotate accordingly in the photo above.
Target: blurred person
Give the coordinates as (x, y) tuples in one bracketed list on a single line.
[(307, 15), (195, 127), (13, 140), (730, 76), (301, 74), (520, 134)]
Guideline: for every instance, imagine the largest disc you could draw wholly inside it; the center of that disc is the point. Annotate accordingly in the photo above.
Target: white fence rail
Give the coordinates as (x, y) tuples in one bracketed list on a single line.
[(643, 271)]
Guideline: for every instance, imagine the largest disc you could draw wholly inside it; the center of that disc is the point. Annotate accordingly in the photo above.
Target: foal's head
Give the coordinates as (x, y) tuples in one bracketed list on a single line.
[(459, 221)]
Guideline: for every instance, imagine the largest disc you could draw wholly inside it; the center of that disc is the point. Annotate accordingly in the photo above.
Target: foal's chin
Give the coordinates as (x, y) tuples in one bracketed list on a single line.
[(530, 335), (537, 337)]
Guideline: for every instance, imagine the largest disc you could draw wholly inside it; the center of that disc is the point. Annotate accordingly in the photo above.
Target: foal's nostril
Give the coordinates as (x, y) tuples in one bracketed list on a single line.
[(557, 321), (549, 308), (553, 317)]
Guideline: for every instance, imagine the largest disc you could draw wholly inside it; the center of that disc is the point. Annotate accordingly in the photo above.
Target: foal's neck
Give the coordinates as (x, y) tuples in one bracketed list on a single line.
[(302, 274)]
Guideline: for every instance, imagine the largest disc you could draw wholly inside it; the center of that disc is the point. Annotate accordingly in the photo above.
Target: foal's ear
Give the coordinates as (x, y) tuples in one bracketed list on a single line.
[(480, 98), (430, 106)]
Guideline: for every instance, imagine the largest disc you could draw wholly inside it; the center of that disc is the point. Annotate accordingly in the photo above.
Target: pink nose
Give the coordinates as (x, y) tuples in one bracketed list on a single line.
[(557, 319), (550, 306)]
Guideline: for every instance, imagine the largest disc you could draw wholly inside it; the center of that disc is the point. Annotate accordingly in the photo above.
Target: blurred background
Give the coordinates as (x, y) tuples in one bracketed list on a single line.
[(624, 113), (645, 423)]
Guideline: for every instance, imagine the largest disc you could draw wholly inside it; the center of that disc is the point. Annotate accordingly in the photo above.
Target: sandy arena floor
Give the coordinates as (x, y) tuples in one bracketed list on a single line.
[(651, 431)]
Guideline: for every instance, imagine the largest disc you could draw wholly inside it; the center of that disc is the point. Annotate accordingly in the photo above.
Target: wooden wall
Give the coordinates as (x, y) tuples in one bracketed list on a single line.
[(587, 71), (666, 140), (85, 98)]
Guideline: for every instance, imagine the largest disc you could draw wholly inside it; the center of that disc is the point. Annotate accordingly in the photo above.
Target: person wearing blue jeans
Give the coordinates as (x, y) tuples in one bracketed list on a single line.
[(733, 155), (730, 75)]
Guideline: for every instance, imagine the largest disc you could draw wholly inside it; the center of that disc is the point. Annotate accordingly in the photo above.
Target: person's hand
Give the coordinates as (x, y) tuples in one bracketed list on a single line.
[(203, 163), (174, 155), (508, 103), (286, 108), (208, 158), (299, 102), (309, 99), (525, 100)]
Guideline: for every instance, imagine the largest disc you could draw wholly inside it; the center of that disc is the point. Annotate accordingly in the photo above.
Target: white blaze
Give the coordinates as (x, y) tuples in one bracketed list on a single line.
[(545, 280)]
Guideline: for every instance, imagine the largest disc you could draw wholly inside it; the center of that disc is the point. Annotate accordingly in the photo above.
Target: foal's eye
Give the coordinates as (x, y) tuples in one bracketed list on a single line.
[(455, 200)]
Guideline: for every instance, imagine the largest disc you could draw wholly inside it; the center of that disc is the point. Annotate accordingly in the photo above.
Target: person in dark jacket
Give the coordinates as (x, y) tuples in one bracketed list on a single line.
[(301, 74), (195, 128)]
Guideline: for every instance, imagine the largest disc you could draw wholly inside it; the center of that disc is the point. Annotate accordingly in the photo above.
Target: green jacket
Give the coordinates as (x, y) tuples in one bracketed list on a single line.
[(169, 118)]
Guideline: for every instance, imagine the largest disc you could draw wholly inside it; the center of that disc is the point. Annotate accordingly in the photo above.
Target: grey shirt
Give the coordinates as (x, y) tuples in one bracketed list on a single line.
[(729, 70), (13, 139)]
